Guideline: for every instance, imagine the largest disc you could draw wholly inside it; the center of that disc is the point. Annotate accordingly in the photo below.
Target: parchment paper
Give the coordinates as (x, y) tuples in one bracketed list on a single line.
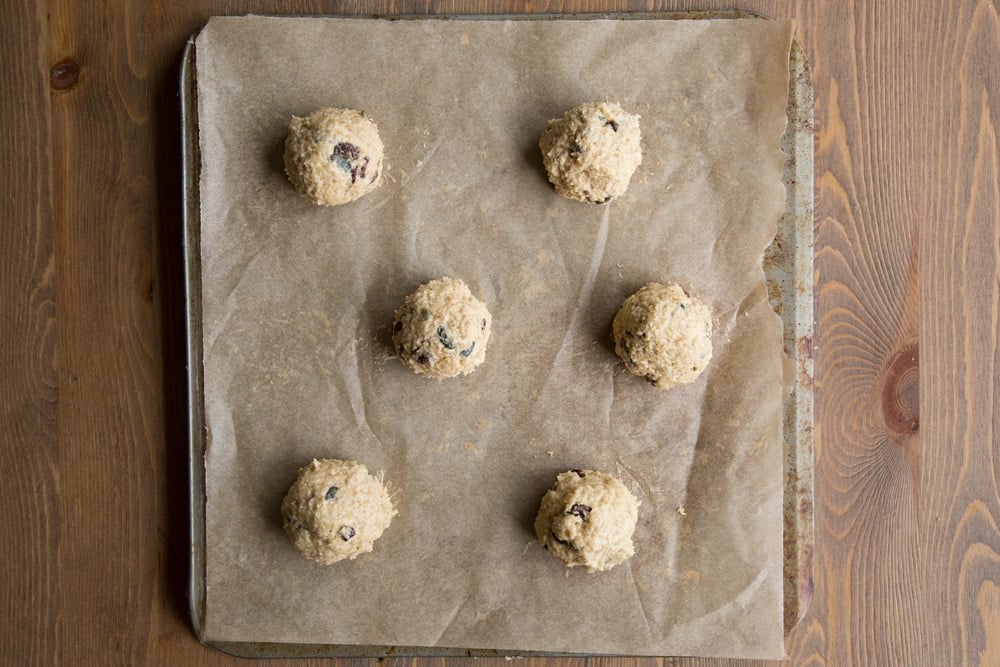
[(298, 303)]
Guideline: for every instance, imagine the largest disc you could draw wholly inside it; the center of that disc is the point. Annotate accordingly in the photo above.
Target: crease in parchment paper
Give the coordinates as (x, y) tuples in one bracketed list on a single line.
[(638, 599), (298, 301), (450, 620), (582, 306)]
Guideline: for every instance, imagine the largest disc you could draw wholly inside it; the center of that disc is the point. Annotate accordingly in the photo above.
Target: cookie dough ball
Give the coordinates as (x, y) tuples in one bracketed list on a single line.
[(664, 335), (335, 510), (441, 330), (587, 518), (591, 152), (333, 156)]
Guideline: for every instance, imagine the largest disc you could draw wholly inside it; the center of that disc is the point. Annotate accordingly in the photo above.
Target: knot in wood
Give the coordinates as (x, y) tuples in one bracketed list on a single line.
[(901, 391), (64, 75)]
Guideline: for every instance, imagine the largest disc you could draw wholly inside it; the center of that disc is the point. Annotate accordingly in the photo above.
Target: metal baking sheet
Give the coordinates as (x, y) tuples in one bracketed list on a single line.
[(788, 265)]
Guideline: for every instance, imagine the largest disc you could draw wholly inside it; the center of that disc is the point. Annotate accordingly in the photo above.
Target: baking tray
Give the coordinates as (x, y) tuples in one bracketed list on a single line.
[(788, 268)]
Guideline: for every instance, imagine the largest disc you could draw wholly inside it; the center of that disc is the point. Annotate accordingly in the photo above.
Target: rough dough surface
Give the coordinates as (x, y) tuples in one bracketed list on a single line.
[(441, 330), (664, 335), (333, 156), (587, 518), (591, 152), (335, 510)]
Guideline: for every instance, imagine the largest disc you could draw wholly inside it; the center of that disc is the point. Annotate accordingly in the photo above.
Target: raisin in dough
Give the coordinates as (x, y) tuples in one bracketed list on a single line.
[(664, 335), (591, 152), (335, 510), (441, 330), (587, 518), (333, 156)]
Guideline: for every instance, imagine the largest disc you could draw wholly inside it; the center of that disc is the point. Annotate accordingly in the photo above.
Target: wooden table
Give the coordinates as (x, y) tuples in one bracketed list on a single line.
[(93, 542)]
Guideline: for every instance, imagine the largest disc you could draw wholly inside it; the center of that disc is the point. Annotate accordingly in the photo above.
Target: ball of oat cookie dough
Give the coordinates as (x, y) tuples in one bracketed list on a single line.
[(333, 156), (441, 330), (335, 510), (664, 335), (591, 152), (587, 518)]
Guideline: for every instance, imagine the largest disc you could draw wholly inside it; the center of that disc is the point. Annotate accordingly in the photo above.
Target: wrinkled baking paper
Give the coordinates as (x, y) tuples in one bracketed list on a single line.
[(298, 304)]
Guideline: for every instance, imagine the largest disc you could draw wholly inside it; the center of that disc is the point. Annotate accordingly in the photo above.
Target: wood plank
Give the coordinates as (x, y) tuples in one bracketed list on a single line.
[(29, 531), (111, 417), (959, 212), (868, 459)]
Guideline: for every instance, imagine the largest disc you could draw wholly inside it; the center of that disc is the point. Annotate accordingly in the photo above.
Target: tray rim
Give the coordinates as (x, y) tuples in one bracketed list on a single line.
[(795, 309)]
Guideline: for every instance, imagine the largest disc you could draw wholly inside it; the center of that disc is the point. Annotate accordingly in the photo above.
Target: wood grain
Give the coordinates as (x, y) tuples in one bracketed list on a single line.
[(93, 545), (29, 529), (959, 507)]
